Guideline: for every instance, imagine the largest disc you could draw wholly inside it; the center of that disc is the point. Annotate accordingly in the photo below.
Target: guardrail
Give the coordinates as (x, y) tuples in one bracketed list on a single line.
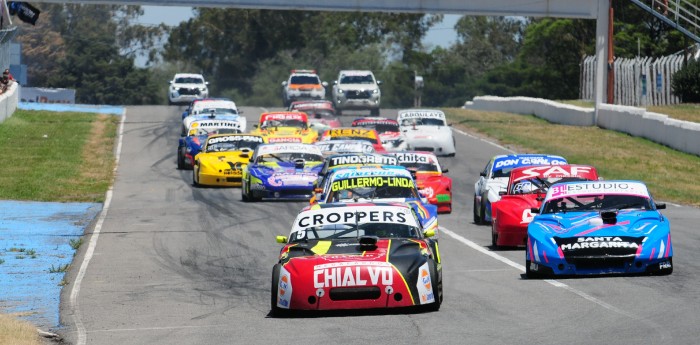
[(680, 135), (8, 101)]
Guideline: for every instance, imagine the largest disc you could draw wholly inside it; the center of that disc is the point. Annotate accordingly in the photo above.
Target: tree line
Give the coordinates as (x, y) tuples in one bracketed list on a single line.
[(245, 54)]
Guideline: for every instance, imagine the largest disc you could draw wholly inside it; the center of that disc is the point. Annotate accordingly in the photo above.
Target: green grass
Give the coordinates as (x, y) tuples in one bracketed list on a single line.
[(670, 175), (59, 269), (53, 156)]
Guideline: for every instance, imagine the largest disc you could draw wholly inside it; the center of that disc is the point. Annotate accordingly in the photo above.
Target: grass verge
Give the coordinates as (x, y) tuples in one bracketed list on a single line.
[(53, 156), (14, 331), (670, 175)]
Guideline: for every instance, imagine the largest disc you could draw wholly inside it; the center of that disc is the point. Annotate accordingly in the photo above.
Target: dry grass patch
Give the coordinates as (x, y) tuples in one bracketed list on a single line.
[(17, 332), (671, 175)]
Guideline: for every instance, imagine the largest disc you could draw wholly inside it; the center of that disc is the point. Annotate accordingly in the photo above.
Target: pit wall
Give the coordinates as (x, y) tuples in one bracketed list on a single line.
[(680, 135), (8, 102)]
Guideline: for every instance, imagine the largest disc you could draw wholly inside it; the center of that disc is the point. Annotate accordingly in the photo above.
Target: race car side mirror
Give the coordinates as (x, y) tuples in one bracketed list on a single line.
[(535, 210), (284, 83), (255, 126), (244, 155), (318, 190), (429, 233), (502, 192), (281, 239), (324, 83), (660, 206), (482, 174), (445, 171)]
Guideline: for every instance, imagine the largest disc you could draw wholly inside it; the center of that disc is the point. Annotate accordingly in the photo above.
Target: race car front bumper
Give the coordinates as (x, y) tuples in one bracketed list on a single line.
[(228, 180)]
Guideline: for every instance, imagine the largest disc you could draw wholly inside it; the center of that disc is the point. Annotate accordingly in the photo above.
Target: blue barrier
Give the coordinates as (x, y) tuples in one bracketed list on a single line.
[(82, 108)]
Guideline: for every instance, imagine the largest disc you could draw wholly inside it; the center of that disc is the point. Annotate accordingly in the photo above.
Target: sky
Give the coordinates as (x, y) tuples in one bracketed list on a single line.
[(442, 34)]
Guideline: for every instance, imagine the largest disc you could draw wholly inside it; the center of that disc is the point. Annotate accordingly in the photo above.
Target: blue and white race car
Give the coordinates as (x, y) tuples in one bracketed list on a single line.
[(494, 178), (281, 171), (373, 184), (210, 109), (190, 145), (598, 227)]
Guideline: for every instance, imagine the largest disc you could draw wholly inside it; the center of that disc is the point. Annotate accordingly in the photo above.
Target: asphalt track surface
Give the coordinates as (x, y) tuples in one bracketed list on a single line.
[(175, 264)]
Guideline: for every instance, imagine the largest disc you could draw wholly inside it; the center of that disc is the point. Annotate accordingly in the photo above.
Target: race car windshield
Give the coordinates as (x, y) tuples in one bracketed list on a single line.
[(423, 122), (502, 172), (421, 166), (604, 202), (232, 146), (288, 157), (319, 113), (381, 127), (218, 111), (357, 79), (284, 123), (345, 231), (352, 137), (305, 79), (212, 131), (362, 188), (189, 80), (538, 184)]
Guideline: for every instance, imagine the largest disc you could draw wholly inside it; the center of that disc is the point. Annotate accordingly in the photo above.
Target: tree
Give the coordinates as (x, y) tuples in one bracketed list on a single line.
[(686, 82)]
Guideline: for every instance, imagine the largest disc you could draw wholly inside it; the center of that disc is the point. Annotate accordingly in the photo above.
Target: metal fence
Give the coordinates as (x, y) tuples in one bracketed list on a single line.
[(6, 35), (638, 81)]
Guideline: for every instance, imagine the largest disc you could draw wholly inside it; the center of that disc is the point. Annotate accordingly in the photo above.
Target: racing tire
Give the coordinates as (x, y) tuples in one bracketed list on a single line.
[(374, 112), (437, 283), (244, 196), (482, 212), (181, 159), (194, 178), (275, 311), (494, 237), (477, 220)]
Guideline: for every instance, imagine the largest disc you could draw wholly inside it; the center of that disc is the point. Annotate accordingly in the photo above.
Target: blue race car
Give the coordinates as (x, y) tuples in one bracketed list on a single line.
[(190, 145), (386, 183), (598, 227), (281, 171)]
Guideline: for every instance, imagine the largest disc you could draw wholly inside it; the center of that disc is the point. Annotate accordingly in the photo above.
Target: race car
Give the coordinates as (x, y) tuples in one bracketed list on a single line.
[(356, 256), (222, 159), (285, 127), (222, 106), (432, 182), (598, 227), (354, 133), (321, 114), (370, 184), (190, 145), (387, 129), (494, 179), (426, 130), (526, 189), (303, 84), (281, 171), (347, 160), (344, 146)]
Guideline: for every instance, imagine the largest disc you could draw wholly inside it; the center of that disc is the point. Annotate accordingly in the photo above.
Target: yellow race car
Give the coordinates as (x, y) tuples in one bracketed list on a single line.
[(285, 127), (222, 159)]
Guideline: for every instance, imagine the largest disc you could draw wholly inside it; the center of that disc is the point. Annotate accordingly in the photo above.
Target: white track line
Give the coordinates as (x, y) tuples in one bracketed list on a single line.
[(482, 139), (74, 305), (522, 269)]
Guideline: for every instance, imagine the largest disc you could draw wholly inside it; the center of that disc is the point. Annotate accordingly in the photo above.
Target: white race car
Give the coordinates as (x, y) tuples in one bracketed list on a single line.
[(186, 87), (426, 130), (213, 109)]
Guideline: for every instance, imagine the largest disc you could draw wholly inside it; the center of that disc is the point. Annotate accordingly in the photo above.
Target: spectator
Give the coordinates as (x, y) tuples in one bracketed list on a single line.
[(8, 74)]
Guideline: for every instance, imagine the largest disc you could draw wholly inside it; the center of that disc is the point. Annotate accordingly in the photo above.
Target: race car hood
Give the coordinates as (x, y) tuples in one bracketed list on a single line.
[(426, 132), (234, 160), (577, 224), (358, 87), (286, 174)]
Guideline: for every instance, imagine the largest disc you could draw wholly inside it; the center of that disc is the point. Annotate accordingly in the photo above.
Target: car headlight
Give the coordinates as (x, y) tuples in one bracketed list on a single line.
[(375, 91), (340, 91)]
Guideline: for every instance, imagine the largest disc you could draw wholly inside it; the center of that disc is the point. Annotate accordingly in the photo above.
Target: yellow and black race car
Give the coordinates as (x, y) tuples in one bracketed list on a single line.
[(222, 159)]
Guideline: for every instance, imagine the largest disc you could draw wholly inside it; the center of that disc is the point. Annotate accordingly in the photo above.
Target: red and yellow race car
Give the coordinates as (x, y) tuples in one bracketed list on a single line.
[(430, 177), (357, 256), (526, 189), (285, 127), (321, 114), (354, 133)]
